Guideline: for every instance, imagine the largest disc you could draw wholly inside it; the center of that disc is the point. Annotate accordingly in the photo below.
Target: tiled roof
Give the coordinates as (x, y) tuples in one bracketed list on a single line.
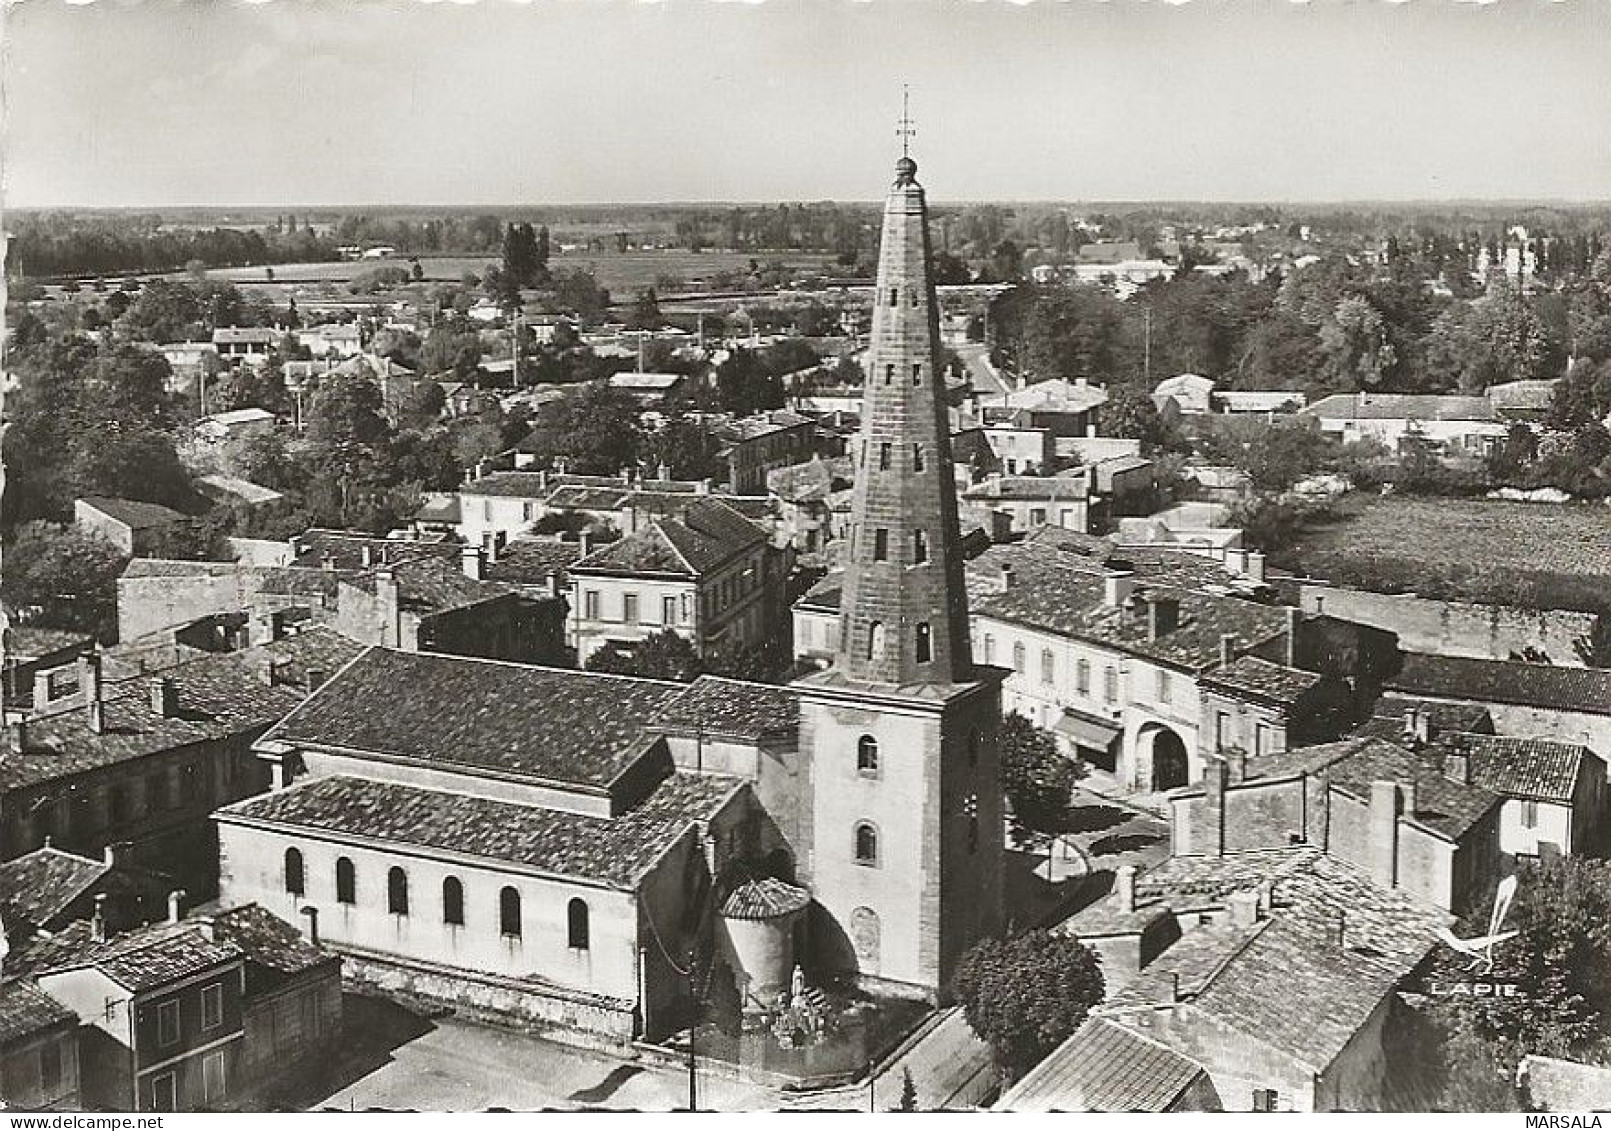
[(1250, 675), (1442, 805), (509, 484), (610, 850), (26, 1012), (220, 695), (1534, 768), (431, 585), (706, 534), (1471, 718), (37, 887), (142, 959), (243, 334), (1285, 980), (731, 708), (1030, 487), (1104, 1067), (275, 950), (529, 561), (1070, 602), (345, 549), (544, 723), (25, 642), (1400, 406), (761, 424), (1587, 690), (135, 515), (765, 898), (581, 498)]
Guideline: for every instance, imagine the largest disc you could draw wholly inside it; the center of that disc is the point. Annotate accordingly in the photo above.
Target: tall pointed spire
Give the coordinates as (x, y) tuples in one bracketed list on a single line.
[(904, 615)]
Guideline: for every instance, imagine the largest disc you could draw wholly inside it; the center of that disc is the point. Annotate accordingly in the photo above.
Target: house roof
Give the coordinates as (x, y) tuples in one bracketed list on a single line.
[(581, 728), (730, 708), (26, 1012), (614, 851), (145, 958), (1471, 718), (509, 484), (275, 951), (1285, 981), (746, 428), (1537, 769), (431, 586), (28, 642), (646, 382), (1262, 679), (1030, 487), (1585, 690), (345, 549), (39, 886), (529, 561), (238, 416), (219, 695), (1104, 1067), (1443, 806), (705, 534), (133, 514), (1400, 406), (227, 488), (242, 334), (1057, 395)]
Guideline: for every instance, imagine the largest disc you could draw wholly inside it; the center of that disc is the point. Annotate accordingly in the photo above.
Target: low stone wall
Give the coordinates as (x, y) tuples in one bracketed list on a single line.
[(570, 1018), (1457, 628)]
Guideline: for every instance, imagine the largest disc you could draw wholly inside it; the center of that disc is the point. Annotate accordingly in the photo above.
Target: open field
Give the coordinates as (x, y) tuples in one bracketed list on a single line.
[(623, 274), (1572, 539)]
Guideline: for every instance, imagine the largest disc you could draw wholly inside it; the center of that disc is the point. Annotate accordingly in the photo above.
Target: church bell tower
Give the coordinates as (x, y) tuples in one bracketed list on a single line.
[(904, 842)]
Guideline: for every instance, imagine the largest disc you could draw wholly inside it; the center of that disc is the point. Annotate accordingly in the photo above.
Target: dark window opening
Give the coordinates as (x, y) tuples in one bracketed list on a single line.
[(346, 881), (453, 901)]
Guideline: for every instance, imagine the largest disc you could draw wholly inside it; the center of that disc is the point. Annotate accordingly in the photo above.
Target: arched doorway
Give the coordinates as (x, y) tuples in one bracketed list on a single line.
[(1170, 766)]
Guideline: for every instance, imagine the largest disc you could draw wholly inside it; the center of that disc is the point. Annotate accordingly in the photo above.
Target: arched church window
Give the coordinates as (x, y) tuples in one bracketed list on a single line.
[(577, 931), (920, 547), (867, 844), (397, 891), (867, 756), (346, 881), (295, 880), (509, 913), (925, 642), (453, 901), (875, 640)]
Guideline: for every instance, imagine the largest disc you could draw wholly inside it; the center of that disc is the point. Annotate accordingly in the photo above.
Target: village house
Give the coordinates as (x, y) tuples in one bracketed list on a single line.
[(707, 573), (1571, 705), (1030, 501), (250, 344), (753, 446), (1459, 425), (133, 527), (1187, 394), (1281, 987), (39, 1066), (331, 339), (31, 652), (136, 762), (47, 889), (237, 424)]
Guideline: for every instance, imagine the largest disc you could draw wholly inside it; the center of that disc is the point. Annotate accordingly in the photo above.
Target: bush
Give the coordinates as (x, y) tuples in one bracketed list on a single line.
[(1027, 995)]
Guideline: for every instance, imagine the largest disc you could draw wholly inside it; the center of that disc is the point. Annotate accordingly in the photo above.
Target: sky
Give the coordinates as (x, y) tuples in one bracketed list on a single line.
[(346, 102)]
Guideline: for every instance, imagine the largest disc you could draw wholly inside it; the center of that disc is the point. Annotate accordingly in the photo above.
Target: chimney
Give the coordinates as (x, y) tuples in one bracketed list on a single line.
[(500, 540), (175, 898), (1236, 561), (1236, 766), (1215, 777), (1412, 798), (1006, 576), (366, 555), (1411, 734), (164, 697), (1163, 616), (1422, 724), (702, 487), (17, 735), (1338, 930), (1457, 767), (272, 671), (551, 583), (315, 676), (110, 853), (1171, 987), (1124, 884), (584, 539), (1255, 565), (1294, 623), (1117, 587), (474, 560), (1227, 649), (312, 914), (89, 683), (1244, 907), (294, 543), (327, 561), (1383, 850), (98, 919), (1090, 431), (41, 691), (391, 632)]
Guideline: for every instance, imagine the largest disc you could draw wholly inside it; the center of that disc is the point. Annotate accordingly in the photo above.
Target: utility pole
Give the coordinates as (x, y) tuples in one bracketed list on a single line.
[(693, 1025), (1146, 346)]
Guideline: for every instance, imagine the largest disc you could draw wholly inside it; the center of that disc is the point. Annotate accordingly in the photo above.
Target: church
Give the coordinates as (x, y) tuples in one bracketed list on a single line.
[(554, 847)]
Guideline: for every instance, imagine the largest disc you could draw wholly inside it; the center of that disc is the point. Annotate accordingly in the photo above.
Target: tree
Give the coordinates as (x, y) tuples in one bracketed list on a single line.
[(644, 313), (908, 1100), (1561, 955), (1035, 777), (594, 429), (1280, 456), (665, 655), (451, 347), (1025, 996), (1495, 339), (63, 576), (744, 386), (686, 450), (1354, 340)]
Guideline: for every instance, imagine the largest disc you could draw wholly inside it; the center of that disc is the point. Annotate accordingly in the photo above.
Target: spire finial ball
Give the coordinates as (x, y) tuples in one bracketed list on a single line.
[(905, 171)]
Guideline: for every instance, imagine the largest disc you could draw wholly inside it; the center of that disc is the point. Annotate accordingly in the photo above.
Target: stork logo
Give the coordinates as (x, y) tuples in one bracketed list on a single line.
[(1481, 952), (1481, 949)]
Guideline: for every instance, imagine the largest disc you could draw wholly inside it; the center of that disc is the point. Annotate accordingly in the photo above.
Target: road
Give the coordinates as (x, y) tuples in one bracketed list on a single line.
[(987, 381)]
